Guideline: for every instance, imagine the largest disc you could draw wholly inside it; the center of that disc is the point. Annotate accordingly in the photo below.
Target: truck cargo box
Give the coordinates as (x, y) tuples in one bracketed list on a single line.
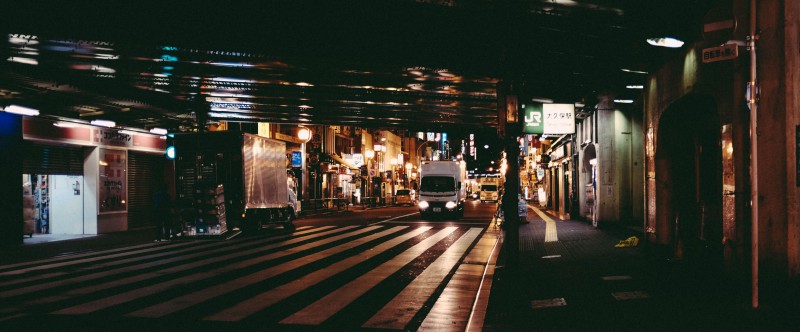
[(235, 177)]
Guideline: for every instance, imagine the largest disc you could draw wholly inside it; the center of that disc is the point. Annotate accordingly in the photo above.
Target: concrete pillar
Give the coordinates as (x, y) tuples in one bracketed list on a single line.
[(11, 178)]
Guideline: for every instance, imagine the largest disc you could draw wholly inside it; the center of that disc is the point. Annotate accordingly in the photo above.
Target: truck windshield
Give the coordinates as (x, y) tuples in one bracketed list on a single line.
[(489, 187), (438, 183)]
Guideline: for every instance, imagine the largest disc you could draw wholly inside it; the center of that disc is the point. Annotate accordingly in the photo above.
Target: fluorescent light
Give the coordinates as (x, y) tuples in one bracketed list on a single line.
[(636, 87), (27, 61), (623, 101), (128, 132), (665, 42), (64, 124), (104, 123), (158, 131), (633, 71), (542, 100), (21, 110)]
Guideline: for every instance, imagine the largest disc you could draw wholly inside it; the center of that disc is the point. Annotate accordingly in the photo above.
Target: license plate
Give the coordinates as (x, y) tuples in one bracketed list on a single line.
[(437, 209)]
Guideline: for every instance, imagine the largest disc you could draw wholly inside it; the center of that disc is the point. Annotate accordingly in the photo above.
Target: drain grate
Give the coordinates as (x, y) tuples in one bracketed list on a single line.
[(636, 295), (540, 304), (617, 278)]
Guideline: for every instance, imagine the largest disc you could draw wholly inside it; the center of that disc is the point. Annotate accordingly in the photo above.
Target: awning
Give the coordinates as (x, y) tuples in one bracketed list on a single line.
[(341, 161)]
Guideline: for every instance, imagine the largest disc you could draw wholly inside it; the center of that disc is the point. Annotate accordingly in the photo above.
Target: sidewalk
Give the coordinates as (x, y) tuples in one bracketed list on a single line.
[(581, 282), (39, 250)]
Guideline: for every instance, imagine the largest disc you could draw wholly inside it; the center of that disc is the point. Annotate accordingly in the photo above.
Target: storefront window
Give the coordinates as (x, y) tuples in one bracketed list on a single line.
[(113, 192)]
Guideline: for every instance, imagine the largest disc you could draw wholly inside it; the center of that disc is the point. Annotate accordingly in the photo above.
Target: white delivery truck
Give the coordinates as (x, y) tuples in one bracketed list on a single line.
[(442, 188), (489, 189), (232, 180)]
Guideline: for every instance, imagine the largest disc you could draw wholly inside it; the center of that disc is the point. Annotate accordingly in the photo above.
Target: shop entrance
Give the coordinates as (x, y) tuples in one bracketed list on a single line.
[(689, 180), (52, 190), (52, 204)]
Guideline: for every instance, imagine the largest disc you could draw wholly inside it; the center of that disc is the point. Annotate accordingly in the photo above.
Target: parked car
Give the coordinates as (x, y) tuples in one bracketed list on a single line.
[(403, 196)]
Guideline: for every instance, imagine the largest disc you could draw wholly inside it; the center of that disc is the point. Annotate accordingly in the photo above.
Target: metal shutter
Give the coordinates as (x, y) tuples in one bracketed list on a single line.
[(143, 172), (52, 159)]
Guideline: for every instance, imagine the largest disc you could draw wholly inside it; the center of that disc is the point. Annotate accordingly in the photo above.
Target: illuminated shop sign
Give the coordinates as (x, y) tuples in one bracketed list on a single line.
[(549, 119)]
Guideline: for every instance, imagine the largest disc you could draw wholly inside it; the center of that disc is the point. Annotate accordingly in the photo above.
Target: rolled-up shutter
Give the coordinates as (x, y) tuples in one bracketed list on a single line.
[(144, 170), (41, 158)]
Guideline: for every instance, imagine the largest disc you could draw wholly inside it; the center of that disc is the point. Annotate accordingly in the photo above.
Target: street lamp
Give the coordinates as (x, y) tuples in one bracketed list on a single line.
[(408, 175), (304, 134), (420, 148), (369, 155)]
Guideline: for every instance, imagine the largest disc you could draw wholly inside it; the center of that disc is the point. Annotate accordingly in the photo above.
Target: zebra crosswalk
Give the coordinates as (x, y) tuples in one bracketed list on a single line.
[(349, 277)]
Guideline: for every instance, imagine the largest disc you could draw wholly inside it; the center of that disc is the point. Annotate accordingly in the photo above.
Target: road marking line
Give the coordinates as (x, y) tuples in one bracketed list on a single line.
[(134, 294), (264, 300), (399, 312), (324, 308), (92, 259), (433, 222), (395, 218), (477, 315), (182, 302), (141, 277)]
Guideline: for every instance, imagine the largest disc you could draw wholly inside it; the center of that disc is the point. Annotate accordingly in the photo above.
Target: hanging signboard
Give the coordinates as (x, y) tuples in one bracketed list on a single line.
[(559, 118), (534, 119), (549, 119)]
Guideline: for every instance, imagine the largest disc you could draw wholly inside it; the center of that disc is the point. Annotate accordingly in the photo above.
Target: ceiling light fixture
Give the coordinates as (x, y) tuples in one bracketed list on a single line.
[(104, 123), (158, 131), (665, 42), (623, 101), (21, 110), (635, 87), (64, 124), (633, 71), (542, 100)]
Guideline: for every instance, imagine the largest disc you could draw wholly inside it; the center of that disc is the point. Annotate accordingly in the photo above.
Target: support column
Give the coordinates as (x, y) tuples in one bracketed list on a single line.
[(510, 194), (11, 178)]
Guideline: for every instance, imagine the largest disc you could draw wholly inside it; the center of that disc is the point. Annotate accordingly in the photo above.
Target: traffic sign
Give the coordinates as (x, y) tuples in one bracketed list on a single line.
[(720, 53)]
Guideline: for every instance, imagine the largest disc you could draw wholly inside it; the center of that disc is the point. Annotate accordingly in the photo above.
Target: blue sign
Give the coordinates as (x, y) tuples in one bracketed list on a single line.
[(297, 159)]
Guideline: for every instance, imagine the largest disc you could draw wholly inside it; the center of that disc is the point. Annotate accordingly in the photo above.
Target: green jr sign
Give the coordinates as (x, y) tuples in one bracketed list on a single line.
[(534, 119), (549, 119)]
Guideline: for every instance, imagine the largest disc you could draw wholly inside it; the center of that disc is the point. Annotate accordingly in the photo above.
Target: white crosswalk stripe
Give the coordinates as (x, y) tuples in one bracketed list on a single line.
[(247, 280)]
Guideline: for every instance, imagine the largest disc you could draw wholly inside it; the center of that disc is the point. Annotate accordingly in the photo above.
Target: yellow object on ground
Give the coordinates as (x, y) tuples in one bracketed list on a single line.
[(629, 242)]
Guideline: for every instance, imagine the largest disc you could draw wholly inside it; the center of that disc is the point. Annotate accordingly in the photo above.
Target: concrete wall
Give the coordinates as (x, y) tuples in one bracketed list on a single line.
[(724, 82)]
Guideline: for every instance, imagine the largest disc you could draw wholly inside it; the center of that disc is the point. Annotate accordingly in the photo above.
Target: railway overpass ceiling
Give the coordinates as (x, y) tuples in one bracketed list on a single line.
[(405, 64)]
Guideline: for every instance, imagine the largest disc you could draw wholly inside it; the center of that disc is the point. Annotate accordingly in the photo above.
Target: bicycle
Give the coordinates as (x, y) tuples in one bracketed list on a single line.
[(498, 218)]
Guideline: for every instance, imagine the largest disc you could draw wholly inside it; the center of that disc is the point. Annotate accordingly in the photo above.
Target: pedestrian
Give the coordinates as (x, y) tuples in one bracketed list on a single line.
[(162, 206)]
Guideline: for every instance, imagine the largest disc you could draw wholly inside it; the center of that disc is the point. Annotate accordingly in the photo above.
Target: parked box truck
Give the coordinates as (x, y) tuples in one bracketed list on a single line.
[(490, 187), (231, 180), (442, 188)]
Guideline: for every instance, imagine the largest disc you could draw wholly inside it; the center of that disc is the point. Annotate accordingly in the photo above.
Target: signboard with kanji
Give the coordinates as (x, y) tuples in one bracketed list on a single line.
[(720, 53), (549, 119), (559, 118)]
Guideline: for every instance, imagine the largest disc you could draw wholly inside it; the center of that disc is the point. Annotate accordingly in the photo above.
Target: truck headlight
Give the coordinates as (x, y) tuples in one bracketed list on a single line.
[(423, 205), (450, 205)]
